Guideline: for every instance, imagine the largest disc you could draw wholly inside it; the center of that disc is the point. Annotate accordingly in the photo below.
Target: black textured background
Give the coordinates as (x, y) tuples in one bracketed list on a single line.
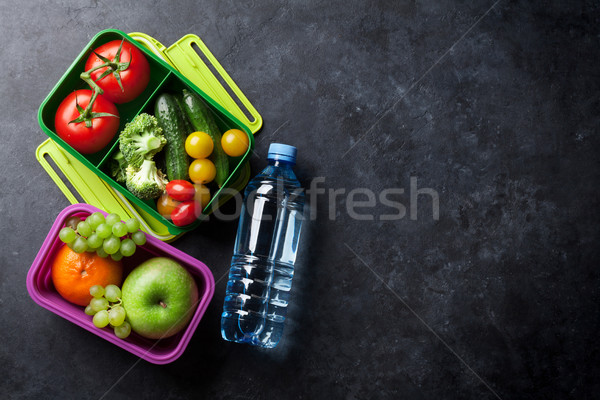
[(493, 105)]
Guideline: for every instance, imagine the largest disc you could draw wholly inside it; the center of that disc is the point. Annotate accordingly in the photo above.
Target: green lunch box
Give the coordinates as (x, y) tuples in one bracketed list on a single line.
[(171, 69)]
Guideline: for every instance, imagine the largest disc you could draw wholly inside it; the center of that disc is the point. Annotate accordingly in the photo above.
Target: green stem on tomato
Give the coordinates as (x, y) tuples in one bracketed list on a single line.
[(96, 90), (112, 66)]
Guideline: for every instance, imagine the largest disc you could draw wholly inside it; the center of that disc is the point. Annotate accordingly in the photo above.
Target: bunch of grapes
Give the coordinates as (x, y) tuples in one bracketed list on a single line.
[(103, 235), (106, 309)]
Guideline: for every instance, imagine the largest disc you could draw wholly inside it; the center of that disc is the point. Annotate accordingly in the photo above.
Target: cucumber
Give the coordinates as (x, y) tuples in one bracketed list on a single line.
[(188, 126), (172, 121), (201, 118)]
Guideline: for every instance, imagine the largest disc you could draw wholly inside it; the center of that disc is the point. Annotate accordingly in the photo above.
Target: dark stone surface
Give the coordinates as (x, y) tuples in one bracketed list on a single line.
[(497, 109)]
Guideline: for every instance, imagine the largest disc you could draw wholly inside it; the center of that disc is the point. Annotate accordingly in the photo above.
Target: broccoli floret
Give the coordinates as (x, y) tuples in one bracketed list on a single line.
[(118, 165), (146, 182), (141, 139)]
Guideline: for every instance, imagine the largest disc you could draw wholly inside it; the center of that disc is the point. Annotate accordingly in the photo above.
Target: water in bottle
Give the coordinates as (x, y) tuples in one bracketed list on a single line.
[(262, 266)]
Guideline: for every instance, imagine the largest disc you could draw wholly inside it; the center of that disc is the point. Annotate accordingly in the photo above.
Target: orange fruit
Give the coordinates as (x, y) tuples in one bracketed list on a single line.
[(73, 274)]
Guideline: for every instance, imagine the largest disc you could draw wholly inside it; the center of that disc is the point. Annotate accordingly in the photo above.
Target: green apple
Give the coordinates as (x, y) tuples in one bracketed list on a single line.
[(160, 297)]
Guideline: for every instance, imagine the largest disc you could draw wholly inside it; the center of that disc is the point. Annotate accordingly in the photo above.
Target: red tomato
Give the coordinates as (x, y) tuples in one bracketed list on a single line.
[(83, 139), (181, 190), (134, 79), (186, 213)]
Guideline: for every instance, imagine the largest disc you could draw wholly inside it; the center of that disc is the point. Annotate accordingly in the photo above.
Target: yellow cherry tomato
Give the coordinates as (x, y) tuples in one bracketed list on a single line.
[(202, 170), (202, 195), (199, 145), (165, 205), (235, 142)]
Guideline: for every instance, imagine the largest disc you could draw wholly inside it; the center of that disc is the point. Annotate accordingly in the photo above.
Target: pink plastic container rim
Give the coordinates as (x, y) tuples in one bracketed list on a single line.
[(164, 351)]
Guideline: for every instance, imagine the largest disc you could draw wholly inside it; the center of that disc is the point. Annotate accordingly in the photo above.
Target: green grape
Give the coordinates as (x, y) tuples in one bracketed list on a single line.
[(139, 238), (132, 225), (119, 229), (95, 240), (116, 316), (116, 256), (97, 291), (111, 245), (91, 249), (101, 253), (104, 231), (100, 320), (95, 219), (122, 331), (112, 293), (84, 229), (127, 247), (72, 222), (99, 216), (112, 219), (79, 245), (89, 221), (92, 222), (67, 235), (99, 304), (89, 310)]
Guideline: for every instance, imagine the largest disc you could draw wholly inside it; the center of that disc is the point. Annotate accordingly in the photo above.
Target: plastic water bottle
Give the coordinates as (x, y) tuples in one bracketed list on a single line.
[(262, 266)]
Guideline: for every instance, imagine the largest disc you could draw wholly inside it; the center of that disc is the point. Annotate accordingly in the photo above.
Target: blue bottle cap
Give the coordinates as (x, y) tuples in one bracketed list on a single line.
[(282, 152)]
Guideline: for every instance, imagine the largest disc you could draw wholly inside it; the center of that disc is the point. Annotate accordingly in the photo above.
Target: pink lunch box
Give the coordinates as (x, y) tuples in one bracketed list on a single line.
[(41, 290)]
